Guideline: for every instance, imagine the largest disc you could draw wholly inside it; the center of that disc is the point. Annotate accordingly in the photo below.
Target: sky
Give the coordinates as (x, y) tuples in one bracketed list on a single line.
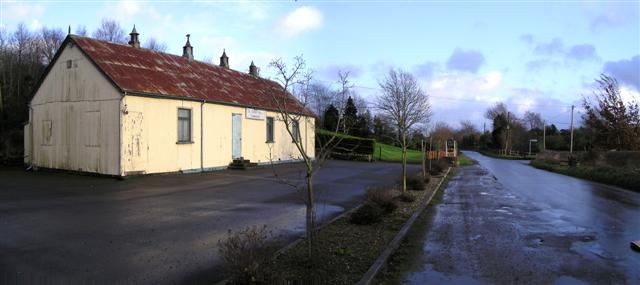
[(535, 55)]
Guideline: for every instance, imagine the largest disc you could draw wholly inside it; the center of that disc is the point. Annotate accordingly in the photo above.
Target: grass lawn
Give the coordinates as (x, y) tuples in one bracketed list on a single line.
[(387, 152)]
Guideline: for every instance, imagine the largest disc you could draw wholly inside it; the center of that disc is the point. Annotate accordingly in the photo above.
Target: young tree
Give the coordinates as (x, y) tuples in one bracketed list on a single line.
[(405, 104), (288, 77), (110, 30), (616, 125)]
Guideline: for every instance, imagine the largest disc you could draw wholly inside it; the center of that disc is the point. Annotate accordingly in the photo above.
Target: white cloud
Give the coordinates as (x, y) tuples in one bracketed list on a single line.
[(491, 80), (19, 11), (629, 95), (35, 24), (300, 20)]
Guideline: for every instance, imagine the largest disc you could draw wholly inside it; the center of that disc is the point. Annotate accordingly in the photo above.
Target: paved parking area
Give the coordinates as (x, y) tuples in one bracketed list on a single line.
[(155, 229)]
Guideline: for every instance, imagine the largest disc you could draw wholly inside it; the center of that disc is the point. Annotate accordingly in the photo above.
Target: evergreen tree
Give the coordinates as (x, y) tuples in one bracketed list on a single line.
[(364, 125), (331, 117), (350, 117)]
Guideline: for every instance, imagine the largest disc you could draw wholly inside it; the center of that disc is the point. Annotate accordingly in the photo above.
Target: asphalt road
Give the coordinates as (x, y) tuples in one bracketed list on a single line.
[(63, 228), (504, 222)]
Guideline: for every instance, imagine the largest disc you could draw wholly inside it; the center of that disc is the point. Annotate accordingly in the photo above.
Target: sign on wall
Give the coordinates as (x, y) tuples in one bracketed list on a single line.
[(255, 114)]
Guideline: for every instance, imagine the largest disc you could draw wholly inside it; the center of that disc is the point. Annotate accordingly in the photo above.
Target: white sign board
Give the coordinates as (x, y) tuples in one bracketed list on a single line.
[(255, 114)]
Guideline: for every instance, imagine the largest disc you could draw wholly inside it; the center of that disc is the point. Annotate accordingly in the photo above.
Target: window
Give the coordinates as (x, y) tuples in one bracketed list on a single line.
[(295, 130), (184, 125), (69, 64), (269, 129)]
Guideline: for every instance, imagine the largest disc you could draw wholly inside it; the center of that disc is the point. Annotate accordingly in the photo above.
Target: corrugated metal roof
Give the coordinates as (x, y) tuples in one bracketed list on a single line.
[(139, 70)]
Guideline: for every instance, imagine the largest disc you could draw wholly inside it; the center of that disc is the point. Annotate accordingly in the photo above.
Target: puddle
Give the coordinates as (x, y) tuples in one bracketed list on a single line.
[(587, 247), (568, 280), (430, 276)]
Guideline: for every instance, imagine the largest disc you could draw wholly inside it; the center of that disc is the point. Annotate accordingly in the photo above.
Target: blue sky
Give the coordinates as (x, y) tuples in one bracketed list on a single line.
[(533, 55)]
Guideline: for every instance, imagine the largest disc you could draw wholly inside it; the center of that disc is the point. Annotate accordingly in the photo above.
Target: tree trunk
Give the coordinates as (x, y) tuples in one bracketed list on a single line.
[(311, 217)]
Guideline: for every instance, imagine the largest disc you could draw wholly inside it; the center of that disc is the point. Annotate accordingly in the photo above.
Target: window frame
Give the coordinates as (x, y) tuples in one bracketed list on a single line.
[(270, 129), (189, 120), (295, 130)]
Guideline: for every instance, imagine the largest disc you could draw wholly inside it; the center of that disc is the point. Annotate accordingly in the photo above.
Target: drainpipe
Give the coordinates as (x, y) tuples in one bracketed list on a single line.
[(31, 149), (120, 154), (201, 137)]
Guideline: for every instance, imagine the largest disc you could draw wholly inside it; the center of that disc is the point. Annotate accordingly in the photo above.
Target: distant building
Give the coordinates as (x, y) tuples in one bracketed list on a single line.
[(120, 110)]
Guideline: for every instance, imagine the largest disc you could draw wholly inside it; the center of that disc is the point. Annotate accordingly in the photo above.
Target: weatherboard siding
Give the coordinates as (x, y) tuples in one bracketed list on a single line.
[(74, 118), (150, 136)]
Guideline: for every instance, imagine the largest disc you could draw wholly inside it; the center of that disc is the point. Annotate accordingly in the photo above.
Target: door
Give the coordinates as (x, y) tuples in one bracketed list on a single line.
[(236, 136)]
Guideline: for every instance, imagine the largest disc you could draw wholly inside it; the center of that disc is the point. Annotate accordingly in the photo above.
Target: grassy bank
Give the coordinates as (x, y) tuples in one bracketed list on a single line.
[(385, 152), (623, 178)]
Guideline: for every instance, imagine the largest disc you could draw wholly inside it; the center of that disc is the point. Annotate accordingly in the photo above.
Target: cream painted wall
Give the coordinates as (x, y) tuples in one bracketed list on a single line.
[(74, 123), (150, 135)]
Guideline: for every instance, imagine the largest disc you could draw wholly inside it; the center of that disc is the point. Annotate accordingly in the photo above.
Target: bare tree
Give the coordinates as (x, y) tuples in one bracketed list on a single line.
[(110, 30), (497, 109), (288, 77), (81, 31), (533, 119), (155, 45), (321, 98), (51, 39), (403, 101)]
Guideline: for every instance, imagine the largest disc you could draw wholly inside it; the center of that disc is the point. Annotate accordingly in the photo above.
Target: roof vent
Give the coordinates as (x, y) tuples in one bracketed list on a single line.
[(253, 69), (187, 50), (224, 59)]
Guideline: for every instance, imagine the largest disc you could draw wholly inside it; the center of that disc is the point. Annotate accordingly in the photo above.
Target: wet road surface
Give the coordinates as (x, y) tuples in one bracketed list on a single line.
[(504, 222), (62, 228)]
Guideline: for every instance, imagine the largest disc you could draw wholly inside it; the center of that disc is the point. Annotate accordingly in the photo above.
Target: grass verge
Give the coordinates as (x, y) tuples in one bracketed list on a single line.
[(464, 160), (347, 250), (623, 178)]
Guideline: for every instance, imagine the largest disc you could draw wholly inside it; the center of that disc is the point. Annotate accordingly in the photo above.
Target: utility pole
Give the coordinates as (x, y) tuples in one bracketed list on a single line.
[(424, 158), (506, 141), (544, 135), (571, 145), (484, 128)]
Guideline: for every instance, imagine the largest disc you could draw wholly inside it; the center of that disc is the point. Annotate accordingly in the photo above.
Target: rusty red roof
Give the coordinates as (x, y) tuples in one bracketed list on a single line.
[(147, 72)]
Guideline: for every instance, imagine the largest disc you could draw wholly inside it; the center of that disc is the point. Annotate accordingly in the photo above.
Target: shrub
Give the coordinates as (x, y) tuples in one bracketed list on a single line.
[(415, 182), (382, 198), (407, 198), (368, 214), (245, 252)]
